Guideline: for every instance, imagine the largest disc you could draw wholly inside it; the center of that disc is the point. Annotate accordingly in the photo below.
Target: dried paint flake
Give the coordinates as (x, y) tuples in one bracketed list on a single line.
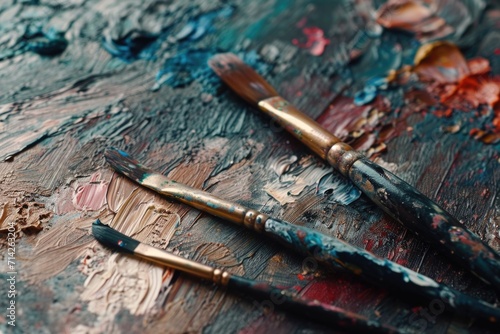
[(28, 217)]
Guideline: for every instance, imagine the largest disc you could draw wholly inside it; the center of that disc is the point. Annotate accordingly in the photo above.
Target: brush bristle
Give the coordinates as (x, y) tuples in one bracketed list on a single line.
[(112, 238), (123, 163), (241, 78)]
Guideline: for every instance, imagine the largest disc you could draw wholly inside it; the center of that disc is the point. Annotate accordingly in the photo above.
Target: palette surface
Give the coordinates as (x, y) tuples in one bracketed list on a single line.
[(81, 76)]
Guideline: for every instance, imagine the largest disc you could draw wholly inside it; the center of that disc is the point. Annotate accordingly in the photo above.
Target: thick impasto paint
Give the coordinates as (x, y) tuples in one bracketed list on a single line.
[(80, 76)]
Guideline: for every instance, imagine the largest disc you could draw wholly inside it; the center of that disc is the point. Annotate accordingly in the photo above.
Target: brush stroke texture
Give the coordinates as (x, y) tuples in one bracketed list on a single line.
[(59, 113)]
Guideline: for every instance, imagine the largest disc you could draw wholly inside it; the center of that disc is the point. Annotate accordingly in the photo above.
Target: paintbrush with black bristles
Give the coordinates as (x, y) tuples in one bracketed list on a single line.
[(328, 250), (396, 197), (313, 309)]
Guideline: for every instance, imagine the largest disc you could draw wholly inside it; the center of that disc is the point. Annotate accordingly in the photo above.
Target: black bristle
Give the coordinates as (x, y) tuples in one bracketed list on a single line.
[(113, 239), (241, 78), (124, 164)]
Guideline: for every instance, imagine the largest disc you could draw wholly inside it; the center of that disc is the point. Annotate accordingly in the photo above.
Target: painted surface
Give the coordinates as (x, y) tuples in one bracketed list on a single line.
[(80, 76)]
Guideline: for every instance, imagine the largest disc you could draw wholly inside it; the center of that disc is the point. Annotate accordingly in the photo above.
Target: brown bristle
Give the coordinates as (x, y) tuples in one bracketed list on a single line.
[(241, 78)]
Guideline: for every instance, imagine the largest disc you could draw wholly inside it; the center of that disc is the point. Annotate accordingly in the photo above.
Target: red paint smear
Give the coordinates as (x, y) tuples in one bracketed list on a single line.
[(324, 291), (383, 232), (342, 116), (369, 243), (316, 41), (91, 196), (343, 292)]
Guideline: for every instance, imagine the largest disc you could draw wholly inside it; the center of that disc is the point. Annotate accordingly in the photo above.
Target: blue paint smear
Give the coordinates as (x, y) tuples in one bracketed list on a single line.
[(49, 43), (191, 65), (185, 67), (143, 45), (123, 153), (365, 96), (35, 39), (198, 27), (370, 91), (337, 189), (133, 46)]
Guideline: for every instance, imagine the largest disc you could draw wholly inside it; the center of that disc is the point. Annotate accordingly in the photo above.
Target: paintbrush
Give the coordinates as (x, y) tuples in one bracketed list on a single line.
[(313, 309), (331, 251), (396, 197)]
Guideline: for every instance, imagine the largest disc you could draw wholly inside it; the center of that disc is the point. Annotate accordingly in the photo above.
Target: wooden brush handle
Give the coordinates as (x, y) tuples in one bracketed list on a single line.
[(271, 297), (383, 272), (426, 218)]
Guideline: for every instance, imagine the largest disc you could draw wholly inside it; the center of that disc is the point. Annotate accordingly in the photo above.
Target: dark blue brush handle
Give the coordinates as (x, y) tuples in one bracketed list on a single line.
[(427, 219), (385, 273), (271, 297)]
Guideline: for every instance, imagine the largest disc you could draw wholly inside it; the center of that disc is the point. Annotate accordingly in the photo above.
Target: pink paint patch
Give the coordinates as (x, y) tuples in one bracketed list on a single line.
[(91, 196), (316, 41)]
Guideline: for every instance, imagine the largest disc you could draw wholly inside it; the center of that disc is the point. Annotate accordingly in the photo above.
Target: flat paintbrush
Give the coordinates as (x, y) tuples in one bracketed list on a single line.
[(396, 197), (325, 249), (324, 313)]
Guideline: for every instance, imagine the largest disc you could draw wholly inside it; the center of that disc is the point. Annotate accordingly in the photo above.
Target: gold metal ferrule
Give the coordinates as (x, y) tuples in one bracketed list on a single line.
[(167, 259), (206, 202), (329, 147)]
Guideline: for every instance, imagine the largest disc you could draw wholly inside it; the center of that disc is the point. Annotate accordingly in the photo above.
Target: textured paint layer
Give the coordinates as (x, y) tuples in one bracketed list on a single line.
[(295, 176), (117, 282), (69, 106), (91, 196)]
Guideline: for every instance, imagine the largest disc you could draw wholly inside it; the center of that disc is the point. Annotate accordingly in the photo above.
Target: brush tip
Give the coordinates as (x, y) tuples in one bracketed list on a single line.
[(122, 162), (224, 62), (112, 238), (241, 78)]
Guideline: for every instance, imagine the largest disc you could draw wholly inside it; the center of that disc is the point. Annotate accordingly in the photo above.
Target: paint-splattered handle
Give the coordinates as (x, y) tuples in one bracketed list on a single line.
[(270, 298), (427, 219), (335, 252)]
